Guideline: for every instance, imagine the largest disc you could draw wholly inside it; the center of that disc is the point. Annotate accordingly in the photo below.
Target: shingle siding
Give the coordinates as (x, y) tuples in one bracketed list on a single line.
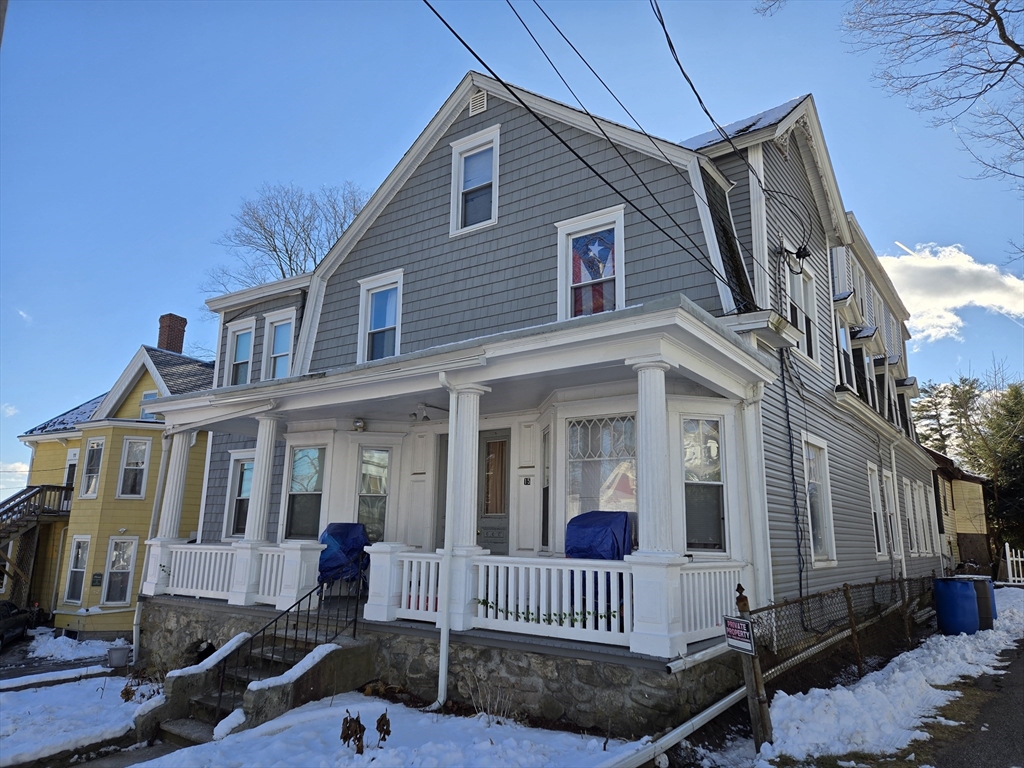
[(218, 477), (257, 311)]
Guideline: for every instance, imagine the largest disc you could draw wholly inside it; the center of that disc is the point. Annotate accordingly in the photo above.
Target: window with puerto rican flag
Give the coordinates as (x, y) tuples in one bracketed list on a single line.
[(590, 264)]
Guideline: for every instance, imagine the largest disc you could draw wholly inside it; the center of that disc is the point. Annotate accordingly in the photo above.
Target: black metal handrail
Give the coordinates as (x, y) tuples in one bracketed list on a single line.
[(34, 500), (333, 613)]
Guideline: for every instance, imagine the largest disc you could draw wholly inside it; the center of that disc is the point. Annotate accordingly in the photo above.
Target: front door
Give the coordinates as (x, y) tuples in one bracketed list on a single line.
[(493, 491)]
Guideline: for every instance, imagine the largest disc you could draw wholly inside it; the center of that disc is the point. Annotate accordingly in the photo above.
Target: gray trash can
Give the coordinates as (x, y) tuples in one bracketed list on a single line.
[(117, 656), (985, 594)]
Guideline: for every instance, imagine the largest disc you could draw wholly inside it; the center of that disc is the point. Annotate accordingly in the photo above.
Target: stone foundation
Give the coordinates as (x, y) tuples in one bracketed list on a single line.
[(610, 696)]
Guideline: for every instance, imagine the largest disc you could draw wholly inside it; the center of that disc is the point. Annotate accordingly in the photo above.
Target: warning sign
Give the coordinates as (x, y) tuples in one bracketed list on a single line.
[(739, 635)]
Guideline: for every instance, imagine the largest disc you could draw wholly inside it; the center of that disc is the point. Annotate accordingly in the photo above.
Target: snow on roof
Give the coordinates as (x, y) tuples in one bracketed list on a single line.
[(747, 125), (69, 419), (181, 373)]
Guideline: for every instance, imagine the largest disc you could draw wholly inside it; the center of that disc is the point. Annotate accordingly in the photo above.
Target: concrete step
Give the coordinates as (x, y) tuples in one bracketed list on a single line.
[(186, 732)]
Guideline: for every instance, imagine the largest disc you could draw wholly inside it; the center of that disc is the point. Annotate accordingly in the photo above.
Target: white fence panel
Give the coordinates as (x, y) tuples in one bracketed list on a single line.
[(709, 592), (201, 570), (420, 586), (1014, 565), (271, 574)]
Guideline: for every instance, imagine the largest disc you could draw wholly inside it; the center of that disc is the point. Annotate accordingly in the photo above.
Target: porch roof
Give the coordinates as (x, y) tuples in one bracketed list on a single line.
[(538, 360)]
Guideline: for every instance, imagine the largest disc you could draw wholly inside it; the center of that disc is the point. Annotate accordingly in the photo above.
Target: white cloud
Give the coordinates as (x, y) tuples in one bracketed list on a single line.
[(13, 477), (25, 316), (8, 409), (935, 281)]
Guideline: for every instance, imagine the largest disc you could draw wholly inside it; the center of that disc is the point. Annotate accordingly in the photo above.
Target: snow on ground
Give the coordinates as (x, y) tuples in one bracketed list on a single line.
[(60, 675), (45, 645), (39, 722), (310, 736), (883, 712)]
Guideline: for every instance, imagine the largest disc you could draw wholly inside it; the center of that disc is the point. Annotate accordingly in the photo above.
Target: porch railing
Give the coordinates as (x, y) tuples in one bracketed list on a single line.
[(200, 570), (588, 600), (271, 574), (708, 594), (420, 585)]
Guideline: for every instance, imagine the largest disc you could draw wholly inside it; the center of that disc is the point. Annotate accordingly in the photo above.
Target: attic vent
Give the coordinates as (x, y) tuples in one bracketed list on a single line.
[(478, 103)]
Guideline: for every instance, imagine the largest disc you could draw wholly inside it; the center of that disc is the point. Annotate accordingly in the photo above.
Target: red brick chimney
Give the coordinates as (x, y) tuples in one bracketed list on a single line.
[(172, 332)]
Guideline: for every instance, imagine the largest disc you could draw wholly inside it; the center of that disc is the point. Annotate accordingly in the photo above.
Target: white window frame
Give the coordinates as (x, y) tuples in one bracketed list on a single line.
[(234, 330), (613, 217), (724, 455), (85, 467), (859, 289), (145, 467), (76, 539), (131, 570), (894, 529), (826, 502), (910, 510), (270, 321), (367, 287), (809, 295), (877, 512), (236, 458), (928, 541), (463, 148), (322, 439), (145, 415), (388, 501)]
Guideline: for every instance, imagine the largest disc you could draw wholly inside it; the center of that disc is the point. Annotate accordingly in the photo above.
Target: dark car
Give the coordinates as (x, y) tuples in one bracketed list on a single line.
[(13, 623)]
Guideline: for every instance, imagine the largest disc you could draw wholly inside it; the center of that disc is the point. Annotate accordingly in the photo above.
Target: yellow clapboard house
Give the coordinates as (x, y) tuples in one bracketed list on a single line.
[(77, 548)]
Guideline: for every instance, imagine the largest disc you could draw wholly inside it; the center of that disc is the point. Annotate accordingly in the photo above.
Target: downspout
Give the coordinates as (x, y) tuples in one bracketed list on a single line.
[(446, 559), (165, 446)]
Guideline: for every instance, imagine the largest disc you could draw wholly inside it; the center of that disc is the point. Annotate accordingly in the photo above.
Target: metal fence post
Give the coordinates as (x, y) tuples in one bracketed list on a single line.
[(757, 700), (853, 629)]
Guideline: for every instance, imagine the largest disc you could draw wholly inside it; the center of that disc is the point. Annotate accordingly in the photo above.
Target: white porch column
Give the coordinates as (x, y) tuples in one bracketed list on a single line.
[(245, 580), (385, 593), (301, 569), (158, 573), (657, 569), (463, 455)]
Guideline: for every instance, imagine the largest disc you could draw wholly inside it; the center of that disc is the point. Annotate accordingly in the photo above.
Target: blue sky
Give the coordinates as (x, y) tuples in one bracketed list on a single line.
[(130, 132)]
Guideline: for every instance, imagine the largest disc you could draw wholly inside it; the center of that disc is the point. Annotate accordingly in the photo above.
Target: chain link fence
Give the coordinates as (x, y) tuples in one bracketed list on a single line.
[(846, 631)]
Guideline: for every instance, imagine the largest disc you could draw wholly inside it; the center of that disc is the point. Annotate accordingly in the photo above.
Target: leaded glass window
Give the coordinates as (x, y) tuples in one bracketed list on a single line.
[(704, 489), (593, 272), (601, 456)]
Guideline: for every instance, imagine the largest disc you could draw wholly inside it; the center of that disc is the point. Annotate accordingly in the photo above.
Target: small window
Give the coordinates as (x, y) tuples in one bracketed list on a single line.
[(475, 181), (241, 490), (278, 332), (305, 492), (241, 357), (819, 500), (704, 495), (77, 564), (373, 491), (144, 413), (93, 461), (380, 317), (134, 463), (803, 310), (590, 264), (120, 570)]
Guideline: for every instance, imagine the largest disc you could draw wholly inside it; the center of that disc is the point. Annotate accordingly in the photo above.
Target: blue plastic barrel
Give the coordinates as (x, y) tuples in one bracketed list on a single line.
[(956, 606)]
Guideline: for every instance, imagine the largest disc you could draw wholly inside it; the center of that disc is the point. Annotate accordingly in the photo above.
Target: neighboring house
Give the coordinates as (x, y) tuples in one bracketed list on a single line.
[(961, 498), (84, 557), (499, 343)]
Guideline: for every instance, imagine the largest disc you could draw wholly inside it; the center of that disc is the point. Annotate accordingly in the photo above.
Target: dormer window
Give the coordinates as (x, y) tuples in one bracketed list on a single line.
[(474, 181), (380, 317), (278, 332), (239, 352)]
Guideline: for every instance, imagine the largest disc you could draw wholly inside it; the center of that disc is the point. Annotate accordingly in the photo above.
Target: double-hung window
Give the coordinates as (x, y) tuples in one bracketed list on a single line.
[(373, 490), (120, 570), (77, 564), (704, 495), (819, 500), (278, 332), (238, 499), (803, 311), (590, 264), (144, 412), (93, 461), (305, 493), (380, 316), (877, 514), (134, 463), (240, 352), (475, 181), (892, 520)]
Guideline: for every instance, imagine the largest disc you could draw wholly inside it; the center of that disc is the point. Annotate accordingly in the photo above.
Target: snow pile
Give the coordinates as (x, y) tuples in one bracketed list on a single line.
[(66, 649), (310, 736), (882, 712), (213, 659), (60, 675), (309, 661), (39, 722)]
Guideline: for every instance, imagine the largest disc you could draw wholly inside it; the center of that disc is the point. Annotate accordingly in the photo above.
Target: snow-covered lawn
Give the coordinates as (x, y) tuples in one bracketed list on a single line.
[(39, 722), (310, 736), (45, 645)]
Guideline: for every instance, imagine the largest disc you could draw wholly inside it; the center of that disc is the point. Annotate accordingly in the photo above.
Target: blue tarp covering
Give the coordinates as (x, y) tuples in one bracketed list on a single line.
[(599, 536), (345, 542)]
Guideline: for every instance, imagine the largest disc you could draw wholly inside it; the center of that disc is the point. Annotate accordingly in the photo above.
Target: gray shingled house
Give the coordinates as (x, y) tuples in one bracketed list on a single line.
[(502, 340)]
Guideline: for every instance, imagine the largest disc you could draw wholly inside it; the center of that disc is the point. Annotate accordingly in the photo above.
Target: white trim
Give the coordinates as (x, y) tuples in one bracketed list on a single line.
[(806, 438), (206, 485), (142, 408), (710, 237), (367, 287), (877, 511), (725, 454), (99, 469), (578, 225), (806, 276), (145, 466), (758, 225), (131, 570), (249, 296), (270, 321), (461, 149), (894, 527), (235, 459), (322, 439), (126, 382), (234, 330), (71, 458), (87, 538)]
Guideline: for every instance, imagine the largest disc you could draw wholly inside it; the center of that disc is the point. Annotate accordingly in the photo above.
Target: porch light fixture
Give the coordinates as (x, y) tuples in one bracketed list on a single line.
[(358, 425)]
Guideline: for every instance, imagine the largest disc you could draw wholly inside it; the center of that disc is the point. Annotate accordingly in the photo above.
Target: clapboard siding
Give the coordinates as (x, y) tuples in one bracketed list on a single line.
[(257, 311), (504, 277), (218, 477)]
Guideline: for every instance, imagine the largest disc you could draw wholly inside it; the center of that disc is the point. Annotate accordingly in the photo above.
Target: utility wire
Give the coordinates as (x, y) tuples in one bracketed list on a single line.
[(597, 124), (560, 139)]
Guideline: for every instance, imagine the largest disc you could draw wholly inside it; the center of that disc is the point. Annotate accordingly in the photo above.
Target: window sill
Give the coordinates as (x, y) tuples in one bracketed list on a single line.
[(93, 496), (131, 498), (824, 563), (473, 228)]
